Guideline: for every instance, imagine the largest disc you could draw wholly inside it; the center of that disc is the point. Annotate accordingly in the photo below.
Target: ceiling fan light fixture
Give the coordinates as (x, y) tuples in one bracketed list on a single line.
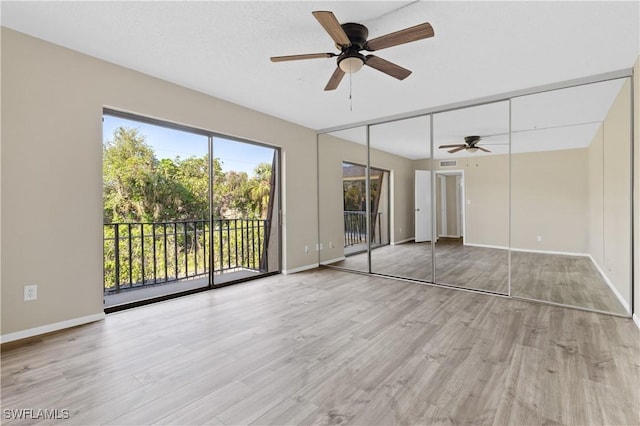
[(351, 64), (472, 149), (351, 38)]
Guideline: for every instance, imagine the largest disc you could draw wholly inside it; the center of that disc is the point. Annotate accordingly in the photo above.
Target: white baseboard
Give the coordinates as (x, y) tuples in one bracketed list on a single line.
[(330, 261), (636, 319), (449, 236), (36, 331), (613, 288), (300, 269), (485, 246), (406, 240), (563, 253)]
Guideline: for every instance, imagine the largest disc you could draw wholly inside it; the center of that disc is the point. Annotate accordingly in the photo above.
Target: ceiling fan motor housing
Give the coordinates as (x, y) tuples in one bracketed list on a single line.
[(472, 140), (357, 35)]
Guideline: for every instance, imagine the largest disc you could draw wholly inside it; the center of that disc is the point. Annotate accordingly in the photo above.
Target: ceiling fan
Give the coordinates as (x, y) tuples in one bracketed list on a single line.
[(351, 39), (470, 144)]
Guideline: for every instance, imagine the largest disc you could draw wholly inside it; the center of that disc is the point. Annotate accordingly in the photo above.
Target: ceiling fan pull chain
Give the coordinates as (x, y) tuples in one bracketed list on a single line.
[(350, 92)]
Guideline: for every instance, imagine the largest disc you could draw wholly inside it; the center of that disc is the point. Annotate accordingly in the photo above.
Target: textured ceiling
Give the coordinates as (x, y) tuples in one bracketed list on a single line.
[(223, 49)]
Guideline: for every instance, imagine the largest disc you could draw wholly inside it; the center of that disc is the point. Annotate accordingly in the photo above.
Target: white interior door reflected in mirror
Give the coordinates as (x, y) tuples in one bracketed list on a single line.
[(423, 206)]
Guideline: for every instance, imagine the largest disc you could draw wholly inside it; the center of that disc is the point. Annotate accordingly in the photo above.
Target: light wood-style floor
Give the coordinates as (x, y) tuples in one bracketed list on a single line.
[(331, 347), (569, 280)]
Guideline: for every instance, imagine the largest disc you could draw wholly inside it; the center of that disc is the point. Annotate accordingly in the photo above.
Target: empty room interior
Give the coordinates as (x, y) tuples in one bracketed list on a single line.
[(353, 212)]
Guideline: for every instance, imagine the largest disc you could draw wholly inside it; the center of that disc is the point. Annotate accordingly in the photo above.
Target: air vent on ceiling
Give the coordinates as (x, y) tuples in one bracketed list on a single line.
[(448, 163)]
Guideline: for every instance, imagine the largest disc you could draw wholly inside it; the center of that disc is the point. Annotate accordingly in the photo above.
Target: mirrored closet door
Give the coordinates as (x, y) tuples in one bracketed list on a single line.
[(471, 197), (571, 195), (344, 200), (403, 149)]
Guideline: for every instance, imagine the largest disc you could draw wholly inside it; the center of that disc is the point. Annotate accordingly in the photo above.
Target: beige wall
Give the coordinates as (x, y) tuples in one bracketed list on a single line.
[(549, 198), (636, 194), (552, 184), (438, 206), (451, 205), (486, 191), (616, 130), (596, 197), (52, 101)]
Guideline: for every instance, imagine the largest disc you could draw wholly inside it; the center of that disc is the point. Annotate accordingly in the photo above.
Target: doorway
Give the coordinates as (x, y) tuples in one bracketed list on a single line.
[(422, 206), (449, 204)]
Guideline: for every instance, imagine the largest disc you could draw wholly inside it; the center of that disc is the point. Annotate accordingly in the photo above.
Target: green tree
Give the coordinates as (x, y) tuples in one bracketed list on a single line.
[(139, 188), (129, 176), (259, 191)]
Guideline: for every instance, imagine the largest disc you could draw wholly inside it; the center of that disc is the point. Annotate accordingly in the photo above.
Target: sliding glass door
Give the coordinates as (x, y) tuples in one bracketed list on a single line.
[(184, 210), (245, 211)]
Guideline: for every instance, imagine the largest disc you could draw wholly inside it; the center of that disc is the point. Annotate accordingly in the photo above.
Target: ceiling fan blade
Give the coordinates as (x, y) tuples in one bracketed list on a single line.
[(335, 79), (482, 149), (454, 150), (387, 67), (407, 35), (453, 146), (298, 57), (332, 26)]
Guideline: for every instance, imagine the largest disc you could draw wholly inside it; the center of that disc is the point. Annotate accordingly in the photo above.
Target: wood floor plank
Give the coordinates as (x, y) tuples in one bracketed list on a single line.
[(289, 411), (329, 347), (566, 279)]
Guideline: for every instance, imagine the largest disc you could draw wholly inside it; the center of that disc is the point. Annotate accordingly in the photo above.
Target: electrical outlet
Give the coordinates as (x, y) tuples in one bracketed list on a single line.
[(30, 292), (331, 245), (306, 249), (539, 238)]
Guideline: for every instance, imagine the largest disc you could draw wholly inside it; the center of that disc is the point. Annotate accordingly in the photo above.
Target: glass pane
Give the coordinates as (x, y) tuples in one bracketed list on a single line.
[(342, 159), (156, 209), (471, 197), (401, 151), (570, 202), (245, 238)]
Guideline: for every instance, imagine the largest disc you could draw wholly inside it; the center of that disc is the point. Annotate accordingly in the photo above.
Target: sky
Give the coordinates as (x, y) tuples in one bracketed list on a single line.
[(170, 143)]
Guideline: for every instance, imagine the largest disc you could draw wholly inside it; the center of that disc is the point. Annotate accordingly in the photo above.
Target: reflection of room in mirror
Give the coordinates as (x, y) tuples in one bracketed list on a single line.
[(570, 205), (472, 187), (528, 197), (342, 159), (404, 148)]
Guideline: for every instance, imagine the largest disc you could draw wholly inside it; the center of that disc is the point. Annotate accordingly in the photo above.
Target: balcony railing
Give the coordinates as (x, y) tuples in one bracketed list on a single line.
[(138, 254), (355, 228)]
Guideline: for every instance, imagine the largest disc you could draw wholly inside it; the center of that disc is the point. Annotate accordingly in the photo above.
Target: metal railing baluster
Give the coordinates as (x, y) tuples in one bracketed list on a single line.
[(155, 271), (116, 250), (175, 249), (142, 252), (186, 247), (239, 246), (195, 246), (130, 254)]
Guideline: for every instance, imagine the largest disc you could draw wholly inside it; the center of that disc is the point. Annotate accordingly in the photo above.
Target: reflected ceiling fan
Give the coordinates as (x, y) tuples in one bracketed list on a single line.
[(470, 144), (351, 39)]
